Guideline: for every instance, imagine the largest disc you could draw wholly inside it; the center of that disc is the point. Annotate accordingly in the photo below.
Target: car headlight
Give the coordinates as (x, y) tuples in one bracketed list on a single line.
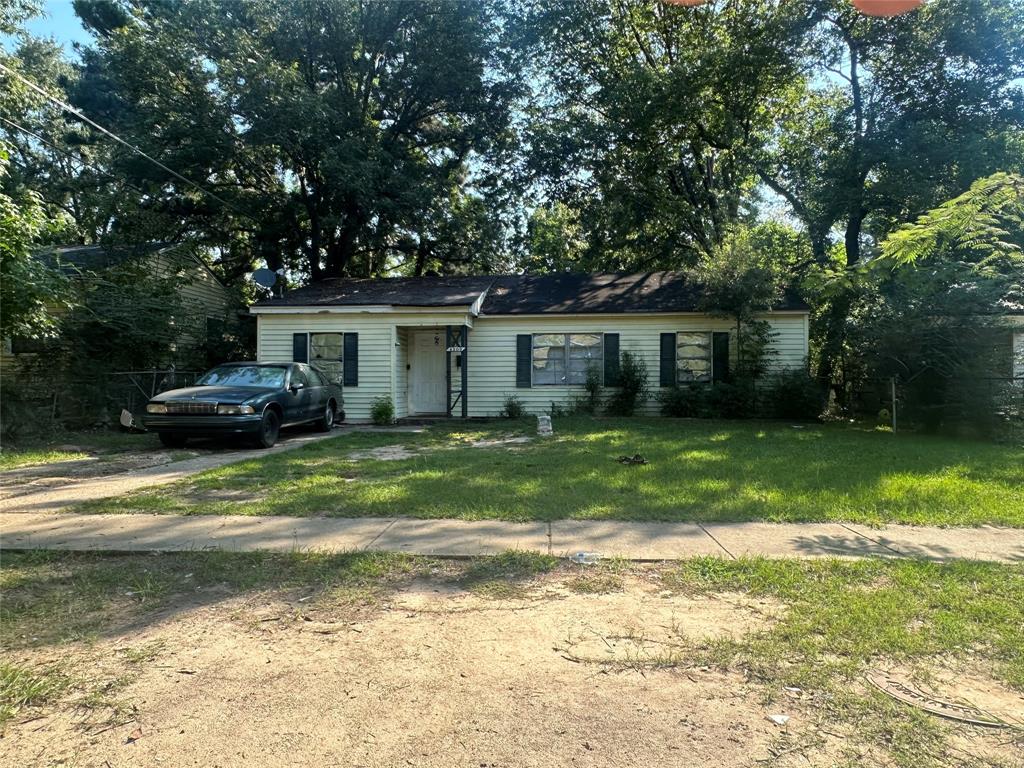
[(233, 410), (156, 408)]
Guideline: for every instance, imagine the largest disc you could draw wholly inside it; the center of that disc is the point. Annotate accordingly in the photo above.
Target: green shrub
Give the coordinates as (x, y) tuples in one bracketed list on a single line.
[(383, 410), (513, 407), (731, 399), (632, 390), (683, 402), (794, 395), (590, 403)]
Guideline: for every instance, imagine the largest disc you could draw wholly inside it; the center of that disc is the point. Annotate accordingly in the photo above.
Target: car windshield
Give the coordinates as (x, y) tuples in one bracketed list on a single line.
[(244, 376)]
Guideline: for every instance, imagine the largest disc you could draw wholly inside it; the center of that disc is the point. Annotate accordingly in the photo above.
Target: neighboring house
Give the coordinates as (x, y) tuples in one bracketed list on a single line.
[(1017, 346), (460, 345), (208, 303)]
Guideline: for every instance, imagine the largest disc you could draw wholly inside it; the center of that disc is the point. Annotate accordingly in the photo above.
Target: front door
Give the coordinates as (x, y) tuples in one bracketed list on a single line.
[(427, 373)]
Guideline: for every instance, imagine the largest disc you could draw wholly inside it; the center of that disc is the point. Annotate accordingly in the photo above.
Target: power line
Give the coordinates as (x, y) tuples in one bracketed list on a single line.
[(77, 113), (70, 156)]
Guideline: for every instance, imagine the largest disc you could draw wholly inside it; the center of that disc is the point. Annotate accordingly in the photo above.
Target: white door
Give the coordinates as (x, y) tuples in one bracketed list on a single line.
[(427, 379)]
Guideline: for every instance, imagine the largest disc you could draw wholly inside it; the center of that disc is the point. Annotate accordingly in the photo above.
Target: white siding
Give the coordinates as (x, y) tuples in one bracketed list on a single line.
[(383, 350), (492, 351), (378, 353)]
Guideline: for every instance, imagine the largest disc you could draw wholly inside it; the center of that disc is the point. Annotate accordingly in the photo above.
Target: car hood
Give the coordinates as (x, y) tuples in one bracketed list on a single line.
[(219, 394)]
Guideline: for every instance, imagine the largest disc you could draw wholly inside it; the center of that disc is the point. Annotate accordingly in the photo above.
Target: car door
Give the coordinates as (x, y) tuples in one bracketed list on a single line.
[(317, 391), (297, 398)]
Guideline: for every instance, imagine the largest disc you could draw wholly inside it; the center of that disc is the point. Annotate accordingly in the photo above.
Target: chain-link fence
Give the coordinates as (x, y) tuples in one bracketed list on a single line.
[(35, 402), (989, 406)]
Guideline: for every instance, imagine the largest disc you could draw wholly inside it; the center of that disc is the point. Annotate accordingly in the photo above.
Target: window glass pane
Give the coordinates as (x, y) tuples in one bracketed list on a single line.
[(299, 377), (325, 352), (586, 350), (315, 379), (693, 357), (244, 376), (549, 358)]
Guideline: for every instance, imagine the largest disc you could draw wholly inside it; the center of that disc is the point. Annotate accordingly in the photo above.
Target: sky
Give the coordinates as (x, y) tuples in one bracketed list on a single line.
[(59, 22)]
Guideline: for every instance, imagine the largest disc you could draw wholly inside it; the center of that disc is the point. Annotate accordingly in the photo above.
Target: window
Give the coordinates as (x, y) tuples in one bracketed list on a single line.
[(244, 376), (315, 379), (564, 358), (325, 352), (693, 357), (299, 378)]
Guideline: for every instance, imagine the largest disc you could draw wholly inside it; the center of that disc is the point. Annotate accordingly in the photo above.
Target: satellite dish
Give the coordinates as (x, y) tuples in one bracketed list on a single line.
[(265, 277)]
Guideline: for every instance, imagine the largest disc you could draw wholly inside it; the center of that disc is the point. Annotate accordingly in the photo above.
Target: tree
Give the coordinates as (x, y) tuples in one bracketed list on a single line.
[(935, 318), (32, 294), (326, 132), (647, 118)]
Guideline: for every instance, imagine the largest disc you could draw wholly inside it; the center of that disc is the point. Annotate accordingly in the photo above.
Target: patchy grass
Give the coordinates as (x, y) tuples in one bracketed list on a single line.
[(70, 446), (843, 618), (836, 620), (21, 687), (697, 470)]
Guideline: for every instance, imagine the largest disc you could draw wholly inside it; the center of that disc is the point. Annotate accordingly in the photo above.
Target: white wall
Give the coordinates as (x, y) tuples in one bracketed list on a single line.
[(383, 350), (492, 351)]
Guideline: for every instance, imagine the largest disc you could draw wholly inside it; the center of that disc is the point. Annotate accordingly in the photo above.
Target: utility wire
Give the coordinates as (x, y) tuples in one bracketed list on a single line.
[(72, 110), (70, 156)]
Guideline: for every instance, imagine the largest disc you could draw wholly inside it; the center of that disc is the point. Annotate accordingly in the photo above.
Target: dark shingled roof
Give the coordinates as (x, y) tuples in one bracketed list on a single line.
[(396, 291), (557, 294), (577, 293)]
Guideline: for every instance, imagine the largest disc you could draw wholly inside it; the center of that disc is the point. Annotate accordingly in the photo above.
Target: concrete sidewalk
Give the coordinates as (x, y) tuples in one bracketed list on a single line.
[(459, 538)]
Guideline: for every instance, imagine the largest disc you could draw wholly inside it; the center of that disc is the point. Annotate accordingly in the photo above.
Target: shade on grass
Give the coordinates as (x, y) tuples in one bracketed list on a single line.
[(696, 471)]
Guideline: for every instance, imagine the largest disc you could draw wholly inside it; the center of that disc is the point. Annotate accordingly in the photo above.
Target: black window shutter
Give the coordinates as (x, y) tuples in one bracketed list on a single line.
[(720, 356), (668, 360), (350, 360), (524, 359), (611, 359), (300, 347)]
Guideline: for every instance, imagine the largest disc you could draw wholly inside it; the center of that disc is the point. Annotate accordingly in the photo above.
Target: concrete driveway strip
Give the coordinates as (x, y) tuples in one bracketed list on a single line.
[(57, 499)]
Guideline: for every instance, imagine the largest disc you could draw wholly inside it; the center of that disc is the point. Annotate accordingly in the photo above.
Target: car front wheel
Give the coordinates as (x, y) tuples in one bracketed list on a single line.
[(326, 421), (170, 440), (269, 429)]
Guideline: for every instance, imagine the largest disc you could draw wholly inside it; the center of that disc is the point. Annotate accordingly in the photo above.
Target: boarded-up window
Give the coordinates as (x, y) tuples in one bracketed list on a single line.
[(565, 358), (325, 352), (548, 358), (693, 357)]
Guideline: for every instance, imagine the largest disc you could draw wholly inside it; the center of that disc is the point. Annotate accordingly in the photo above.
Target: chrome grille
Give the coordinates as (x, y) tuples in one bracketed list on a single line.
[(194, 407)]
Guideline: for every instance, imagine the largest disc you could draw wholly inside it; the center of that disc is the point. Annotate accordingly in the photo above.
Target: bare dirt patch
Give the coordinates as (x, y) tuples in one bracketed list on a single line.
[(434, 676), (383, 453)]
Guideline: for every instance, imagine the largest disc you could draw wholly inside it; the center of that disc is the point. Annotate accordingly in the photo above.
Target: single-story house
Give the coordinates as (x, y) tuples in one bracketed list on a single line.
[(458, 346)]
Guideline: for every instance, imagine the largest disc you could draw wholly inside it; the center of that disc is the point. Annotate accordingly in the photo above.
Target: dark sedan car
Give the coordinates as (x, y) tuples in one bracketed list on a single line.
[(252, 399)]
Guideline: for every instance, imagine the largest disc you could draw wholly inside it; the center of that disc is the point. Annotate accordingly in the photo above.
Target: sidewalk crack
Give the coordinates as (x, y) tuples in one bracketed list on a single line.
[(384, 530), (722, 546), (879, 542)]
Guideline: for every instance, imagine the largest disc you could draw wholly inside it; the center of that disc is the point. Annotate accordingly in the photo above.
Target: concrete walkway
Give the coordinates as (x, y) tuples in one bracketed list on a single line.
[(91, 489), (458, 538)]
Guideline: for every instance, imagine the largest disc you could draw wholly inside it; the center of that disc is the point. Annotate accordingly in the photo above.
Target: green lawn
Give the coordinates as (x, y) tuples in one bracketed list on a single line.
[(697, 470)]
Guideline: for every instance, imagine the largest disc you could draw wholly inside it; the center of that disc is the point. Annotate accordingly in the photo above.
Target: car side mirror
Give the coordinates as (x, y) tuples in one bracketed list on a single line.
[(295, 388)]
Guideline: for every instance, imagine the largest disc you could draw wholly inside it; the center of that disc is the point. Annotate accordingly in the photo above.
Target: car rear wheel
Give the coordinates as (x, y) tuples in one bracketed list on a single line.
[(326, 421), (170, 440), (269, 429)]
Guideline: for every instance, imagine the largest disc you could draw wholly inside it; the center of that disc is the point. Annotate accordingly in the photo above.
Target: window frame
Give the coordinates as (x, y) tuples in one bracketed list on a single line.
[(340, 361), (566, 347), (710, 358)]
